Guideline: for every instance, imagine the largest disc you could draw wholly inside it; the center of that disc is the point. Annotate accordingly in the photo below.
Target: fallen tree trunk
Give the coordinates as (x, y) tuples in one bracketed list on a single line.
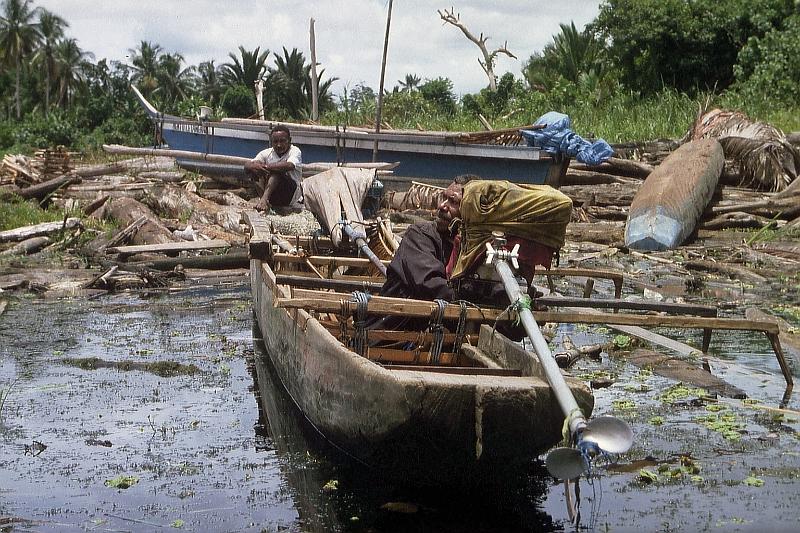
[(127, 211), (733, 272), (28, 246), (37, 230), (41, 190), (177, 202), (207, 262), (598, 232), (735, 220)]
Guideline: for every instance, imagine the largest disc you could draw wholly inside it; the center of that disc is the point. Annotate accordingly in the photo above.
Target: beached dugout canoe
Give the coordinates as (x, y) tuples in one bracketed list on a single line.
[(458, 418)]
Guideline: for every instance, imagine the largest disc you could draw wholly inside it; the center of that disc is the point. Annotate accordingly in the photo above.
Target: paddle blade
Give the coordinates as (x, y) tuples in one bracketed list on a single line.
[(609, 433), (565, 463)]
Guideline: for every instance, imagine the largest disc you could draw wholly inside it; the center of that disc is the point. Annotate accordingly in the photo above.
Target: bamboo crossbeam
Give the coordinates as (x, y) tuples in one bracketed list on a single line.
[(331, 302)]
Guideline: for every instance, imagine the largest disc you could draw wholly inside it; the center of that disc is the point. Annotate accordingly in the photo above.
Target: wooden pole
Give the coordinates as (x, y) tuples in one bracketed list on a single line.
[(314, 78), (260, 98), (379, 107)]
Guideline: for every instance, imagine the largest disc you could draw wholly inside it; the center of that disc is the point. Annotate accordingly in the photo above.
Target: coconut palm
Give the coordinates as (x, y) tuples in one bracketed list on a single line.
[(411, 83), (174, 81), (289, 85), (145, 64), (252, 67), (571, 54), (72, 67), (19, 37), (208, 82), (51, 26)]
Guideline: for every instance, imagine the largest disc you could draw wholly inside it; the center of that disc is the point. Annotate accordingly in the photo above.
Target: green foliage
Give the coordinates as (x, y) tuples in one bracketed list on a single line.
[(122, 482), (689, 46), (768, 67), (38, 131), (238, 101), (439, 92), (15, 213)]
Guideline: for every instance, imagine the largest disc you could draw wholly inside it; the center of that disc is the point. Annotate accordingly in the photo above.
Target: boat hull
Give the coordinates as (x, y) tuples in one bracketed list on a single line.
[(432, 156), (670, 202), (433, 427)]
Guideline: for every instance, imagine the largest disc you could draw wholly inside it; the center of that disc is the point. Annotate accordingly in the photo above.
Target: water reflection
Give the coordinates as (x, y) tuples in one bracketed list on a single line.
[(333, 492)]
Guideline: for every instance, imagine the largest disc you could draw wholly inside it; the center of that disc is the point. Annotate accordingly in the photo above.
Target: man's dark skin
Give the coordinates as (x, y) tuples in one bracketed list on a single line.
[(270, 175)]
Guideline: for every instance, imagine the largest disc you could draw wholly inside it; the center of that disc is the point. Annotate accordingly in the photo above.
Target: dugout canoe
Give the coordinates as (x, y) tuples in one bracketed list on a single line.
[(670, 202), (499, 154), (468, 417)]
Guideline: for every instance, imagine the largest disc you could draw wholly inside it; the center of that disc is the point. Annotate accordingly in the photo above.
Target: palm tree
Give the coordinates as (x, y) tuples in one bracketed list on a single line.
[(145, 63), (19, 37), (208, 82), (252, 67), (51, 26), (411, 83), (570, 55), (174, 82), (72, 67)]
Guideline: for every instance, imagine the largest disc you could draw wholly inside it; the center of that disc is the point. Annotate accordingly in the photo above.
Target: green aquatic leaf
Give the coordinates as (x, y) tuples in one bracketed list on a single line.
[(122, 482), (753, 481), (622, 341), (647, 476), (177, 524)]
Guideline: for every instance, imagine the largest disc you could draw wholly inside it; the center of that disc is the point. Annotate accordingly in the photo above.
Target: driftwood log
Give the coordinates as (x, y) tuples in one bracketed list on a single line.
[(37, 230), (176, 202), (28, 246), (127, 211)]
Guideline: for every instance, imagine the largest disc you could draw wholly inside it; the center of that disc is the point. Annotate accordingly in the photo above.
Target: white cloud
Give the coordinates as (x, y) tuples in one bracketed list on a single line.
[(349, 33)]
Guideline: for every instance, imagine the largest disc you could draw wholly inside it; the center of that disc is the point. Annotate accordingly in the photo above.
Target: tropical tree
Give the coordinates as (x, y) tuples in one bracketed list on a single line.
[(572, 55), (689, 46), (72, 68), (208, 82), (410, 83), (440, 93), (251, 67), (289, 86), (51, 27), (19, 37), (145, 63), (174, 81)]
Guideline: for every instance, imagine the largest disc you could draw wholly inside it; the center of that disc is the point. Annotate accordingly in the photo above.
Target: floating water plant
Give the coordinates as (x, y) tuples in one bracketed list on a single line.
[(753, 481), (122, 482), (680, 392)]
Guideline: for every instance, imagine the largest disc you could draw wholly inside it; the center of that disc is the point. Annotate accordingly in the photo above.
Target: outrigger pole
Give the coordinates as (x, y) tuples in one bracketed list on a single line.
[(605, 434)]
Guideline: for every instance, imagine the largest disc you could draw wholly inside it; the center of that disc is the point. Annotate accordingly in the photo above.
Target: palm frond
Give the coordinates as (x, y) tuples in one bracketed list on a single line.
[(766, 159)]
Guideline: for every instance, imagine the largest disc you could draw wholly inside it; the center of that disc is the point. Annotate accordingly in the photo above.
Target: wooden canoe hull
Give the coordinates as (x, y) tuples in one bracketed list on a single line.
[(433, 156), (670, 202), (427, 424)]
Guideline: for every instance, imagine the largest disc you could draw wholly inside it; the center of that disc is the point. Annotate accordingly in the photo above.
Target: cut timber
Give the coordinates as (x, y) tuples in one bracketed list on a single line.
[(128, 210), (669, 203), (207, 262), (176, 202), (170, 247), (28, 246), (43, 189), (684, 371), (37, 230)]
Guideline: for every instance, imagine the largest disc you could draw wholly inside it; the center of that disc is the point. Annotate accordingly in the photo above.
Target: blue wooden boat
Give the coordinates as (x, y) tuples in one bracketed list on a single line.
[(432, 155), (670, 202)]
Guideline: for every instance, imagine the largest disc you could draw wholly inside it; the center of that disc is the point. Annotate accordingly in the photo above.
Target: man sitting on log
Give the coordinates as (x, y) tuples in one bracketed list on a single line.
[(277, 170)]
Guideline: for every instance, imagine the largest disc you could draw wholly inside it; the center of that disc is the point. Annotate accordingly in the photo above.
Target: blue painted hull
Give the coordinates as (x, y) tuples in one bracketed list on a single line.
[(433, 156)]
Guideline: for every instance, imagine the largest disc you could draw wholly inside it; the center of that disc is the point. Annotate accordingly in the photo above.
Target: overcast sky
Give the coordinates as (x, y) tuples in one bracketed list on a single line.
[(349, 33)]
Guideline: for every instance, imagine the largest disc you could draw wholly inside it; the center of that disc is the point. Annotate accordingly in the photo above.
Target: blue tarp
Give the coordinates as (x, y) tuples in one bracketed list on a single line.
[(557, 138)]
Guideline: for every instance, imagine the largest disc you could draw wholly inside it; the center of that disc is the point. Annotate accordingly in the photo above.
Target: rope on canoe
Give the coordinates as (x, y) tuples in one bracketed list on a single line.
[(437, 330), (460, 327), (360, 342)]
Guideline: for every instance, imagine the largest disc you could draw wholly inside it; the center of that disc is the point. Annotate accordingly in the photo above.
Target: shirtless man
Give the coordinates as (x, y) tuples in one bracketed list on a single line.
[(277, 170)]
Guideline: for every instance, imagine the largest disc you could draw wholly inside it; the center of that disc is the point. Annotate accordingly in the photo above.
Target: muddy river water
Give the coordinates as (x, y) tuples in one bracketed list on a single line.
[(158, 412)]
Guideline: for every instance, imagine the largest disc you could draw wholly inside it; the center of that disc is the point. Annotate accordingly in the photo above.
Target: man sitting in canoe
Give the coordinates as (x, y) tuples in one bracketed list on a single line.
[(438, 260), (277, 170)]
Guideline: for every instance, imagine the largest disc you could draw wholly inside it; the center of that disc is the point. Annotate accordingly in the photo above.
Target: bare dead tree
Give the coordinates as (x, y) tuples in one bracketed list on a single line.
[(451, 17)]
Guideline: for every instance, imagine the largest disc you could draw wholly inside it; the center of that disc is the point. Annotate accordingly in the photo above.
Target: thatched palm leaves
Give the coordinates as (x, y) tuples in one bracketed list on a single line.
[(765, 157)]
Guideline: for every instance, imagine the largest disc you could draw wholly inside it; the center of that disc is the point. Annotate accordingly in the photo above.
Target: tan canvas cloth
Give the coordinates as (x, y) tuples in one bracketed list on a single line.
[(538, 213), (339, 189)]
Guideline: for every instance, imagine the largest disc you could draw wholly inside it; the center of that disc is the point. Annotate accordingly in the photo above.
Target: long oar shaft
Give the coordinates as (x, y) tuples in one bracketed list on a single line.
[(364, 247), (551, 371)]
